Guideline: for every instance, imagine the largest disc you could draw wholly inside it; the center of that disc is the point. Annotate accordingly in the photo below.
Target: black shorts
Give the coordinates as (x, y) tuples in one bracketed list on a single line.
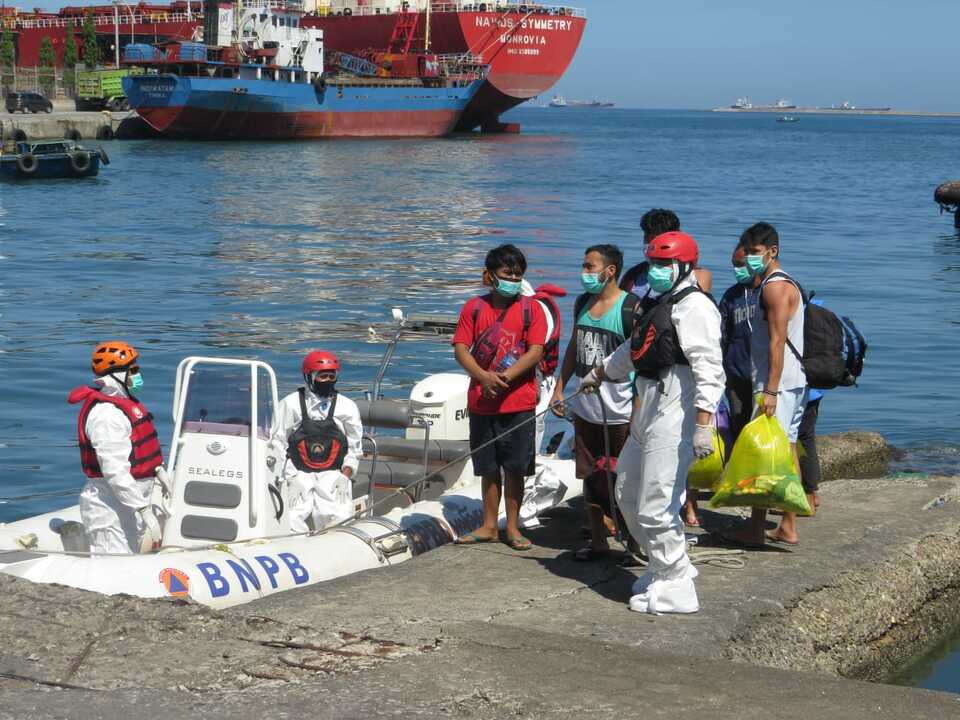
[(514, 452)]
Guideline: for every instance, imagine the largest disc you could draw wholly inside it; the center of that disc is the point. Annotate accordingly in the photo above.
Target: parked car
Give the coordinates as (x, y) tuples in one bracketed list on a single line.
[(28, 102)]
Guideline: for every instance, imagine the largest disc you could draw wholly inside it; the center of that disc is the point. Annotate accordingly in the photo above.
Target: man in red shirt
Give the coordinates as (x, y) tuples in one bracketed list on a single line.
[(499, 341)]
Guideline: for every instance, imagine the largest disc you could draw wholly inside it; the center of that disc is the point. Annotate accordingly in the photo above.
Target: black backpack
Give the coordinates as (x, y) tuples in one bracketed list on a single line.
[(654, 345), (833, 347)]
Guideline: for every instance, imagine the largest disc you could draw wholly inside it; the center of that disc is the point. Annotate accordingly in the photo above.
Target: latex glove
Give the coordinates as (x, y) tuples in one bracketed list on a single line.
[(151, 533), (703, 441), (591, 381), (164, 479)]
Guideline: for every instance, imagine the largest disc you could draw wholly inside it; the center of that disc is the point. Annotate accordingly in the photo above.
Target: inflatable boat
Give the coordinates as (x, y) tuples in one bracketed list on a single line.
[(222, 503)]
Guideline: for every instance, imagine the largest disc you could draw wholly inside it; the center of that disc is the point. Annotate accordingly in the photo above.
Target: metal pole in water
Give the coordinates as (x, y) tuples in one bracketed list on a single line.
[(116, 35)]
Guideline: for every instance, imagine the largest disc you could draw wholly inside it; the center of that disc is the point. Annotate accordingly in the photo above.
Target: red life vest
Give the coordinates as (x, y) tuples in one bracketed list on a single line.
[(545, 294), (145, 455)]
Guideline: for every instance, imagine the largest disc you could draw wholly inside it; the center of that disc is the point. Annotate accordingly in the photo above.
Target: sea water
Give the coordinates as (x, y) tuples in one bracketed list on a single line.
[(266, 250)]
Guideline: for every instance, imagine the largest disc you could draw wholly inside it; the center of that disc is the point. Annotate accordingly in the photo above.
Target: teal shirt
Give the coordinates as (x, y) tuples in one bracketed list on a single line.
[(596, 338)]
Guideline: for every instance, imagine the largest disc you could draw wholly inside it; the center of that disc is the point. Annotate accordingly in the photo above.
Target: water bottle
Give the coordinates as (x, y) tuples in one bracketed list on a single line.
[(508, 360)]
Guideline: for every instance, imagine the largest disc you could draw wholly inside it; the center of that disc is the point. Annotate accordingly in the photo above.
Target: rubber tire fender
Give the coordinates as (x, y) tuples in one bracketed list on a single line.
[(80, 162), (28, 165)]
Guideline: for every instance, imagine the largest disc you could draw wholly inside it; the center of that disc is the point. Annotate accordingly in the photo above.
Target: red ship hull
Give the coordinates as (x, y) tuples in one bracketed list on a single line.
[(190, 122), (527, 52)]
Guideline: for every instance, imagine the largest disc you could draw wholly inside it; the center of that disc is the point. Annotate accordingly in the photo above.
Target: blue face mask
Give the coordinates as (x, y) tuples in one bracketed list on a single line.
[(507, 288), (743, 275), (660, 278), (135, 382), (592, 283), (756, 264)]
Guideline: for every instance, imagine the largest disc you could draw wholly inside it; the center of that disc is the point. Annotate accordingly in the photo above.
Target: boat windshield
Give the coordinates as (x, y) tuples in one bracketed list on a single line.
[(218, 401)]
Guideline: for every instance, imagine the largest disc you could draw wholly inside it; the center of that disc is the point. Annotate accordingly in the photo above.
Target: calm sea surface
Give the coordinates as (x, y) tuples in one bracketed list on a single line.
[(267, 250)]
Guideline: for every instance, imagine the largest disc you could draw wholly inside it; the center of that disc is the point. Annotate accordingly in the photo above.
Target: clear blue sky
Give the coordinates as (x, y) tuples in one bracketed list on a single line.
[(702, 53)]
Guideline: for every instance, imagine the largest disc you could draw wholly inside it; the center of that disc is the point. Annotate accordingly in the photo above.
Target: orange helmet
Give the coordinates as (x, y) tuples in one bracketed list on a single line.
[(112, 355)]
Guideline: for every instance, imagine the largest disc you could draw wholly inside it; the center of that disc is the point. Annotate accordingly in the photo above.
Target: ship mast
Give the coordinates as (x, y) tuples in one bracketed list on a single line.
[(426, 32)]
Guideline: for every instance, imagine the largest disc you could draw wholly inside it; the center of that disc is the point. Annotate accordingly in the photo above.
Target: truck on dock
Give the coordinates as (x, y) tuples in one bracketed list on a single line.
[(102, 89)]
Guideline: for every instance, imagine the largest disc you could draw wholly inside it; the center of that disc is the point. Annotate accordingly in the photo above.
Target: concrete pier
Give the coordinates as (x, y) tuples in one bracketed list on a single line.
[(60, 124), (485, 632)]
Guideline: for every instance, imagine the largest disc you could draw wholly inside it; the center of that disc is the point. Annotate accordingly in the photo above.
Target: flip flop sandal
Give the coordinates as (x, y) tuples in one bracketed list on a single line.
[(774, 537), (589, 554), (519, 543), (693, 523), (473, 539), (730, 540)]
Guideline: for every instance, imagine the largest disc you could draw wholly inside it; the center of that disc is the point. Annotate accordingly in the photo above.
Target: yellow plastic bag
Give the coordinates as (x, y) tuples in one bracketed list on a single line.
[(760, 472), (705, 473)]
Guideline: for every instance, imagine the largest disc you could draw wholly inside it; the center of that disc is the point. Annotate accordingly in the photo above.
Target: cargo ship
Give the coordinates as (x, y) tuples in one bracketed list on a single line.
[(527, 47), (262, 75)]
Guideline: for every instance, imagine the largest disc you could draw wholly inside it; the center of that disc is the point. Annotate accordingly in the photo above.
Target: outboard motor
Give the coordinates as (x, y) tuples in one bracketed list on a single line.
[(441, 400)]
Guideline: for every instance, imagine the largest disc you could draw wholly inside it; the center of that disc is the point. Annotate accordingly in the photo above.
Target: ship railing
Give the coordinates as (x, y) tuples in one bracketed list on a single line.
[(506, 7), (152, 18), (460, 59), (462, 6)]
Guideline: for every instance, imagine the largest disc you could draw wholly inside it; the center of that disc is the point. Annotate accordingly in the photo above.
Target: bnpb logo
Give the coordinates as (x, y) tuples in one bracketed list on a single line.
[(176, 582)]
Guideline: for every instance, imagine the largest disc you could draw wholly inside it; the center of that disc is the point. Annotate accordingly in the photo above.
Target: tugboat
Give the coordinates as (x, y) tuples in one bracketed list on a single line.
[(559, 101), (261, 75), (58, 159)]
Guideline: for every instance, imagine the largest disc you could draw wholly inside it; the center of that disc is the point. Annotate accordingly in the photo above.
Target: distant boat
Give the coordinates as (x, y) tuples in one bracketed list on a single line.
[(559, 101), (590, 104), (787, 118)]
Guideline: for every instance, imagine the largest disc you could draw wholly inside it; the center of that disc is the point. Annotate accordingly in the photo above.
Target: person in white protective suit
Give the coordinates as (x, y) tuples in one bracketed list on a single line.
[(544, 488), (675, 353), (119, 453), (319, 433)]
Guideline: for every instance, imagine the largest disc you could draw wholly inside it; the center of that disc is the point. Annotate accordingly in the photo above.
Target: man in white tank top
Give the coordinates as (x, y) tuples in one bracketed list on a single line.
[(778, 377)]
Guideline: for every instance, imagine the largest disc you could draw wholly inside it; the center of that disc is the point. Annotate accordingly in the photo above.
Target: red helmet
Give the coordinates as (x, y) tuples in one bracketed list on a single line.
[(674, 245), (320, 360)]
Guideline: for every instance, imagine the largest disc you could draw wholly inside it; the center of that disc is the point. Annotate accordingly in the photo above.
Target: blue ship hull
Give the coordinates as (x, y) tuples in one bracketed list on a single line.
[(201, 107)]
